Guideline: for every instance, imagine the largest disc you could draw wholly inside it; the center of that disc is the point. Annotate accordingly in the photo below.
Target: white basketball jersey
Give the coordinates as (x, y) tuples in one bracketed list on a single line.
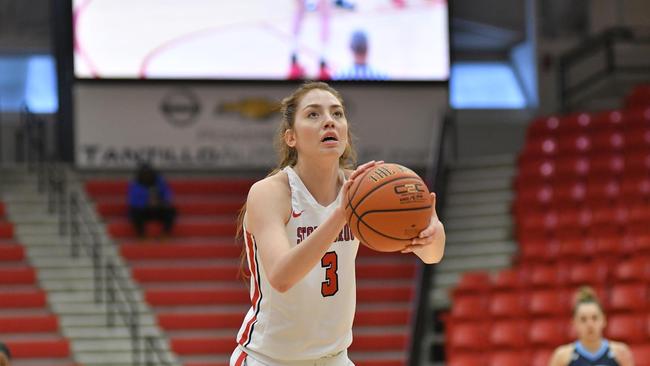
[(314, 318)]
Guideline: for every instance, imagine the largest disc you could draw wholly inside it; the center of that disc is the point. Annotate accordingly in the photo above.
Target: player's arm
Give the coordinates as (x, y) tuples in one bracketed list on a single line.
[(430, 244), (623, 354), (267, 210), (561, 356)]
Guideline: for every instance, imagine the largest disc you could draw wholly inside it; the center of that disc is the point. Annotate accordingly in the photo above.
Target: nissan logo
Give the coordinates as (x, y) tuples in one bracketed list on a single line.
[(180, 107)]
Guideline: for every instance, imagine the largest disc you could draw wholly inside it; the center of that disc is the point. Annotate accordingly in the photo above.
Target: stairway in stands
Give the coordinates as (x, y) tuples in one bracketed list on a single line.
[(27, 325), (477, 220), (191, 279)]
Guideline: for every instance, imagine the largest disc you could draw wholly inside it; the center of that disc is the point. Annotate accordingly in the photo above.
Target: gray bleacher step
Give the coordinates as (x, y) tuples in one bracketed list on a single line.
[(481, 235), (84, 297), (479, 185), (28, 199), (479, 198), (446, 279), (105, 358), (89, 308), (73, 273), (478, 222), (81, 263), (99, 333), (456, 174), (82, 321), (99, 346), (30, 229), (485, 161), (38, 218), (487, 261), (473, 249), (70, 285), (206, 359), (470, 210)]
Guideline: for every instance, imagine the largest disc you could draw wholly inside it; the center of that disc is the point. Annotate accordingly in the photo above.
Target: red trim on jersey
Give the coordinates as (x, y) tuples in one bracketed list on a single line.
[(241, 359), (252, 265)]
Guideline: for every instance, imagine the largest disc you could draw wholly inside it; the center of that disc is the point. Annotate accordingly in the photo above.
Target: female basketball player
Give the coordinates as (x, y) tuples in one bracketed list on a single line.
[(591, 349), (302, 271)]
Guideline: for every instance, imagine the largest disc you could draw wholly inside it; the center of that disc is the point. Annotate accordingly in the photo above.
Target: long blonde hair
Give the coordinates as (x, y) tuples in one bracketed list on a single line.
[(288, 156)]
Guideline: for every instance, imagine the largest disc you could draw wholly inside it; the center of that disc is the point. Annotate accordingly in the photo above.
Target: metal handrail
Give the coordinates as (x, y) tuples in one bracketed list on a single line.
[(604, 43), (436, 179), (151, 349), (127, 308)]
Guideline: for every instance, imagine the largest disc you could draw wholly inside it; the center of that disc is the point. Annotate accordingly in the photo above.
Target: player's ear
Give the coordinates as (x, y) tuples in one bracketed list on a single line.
[(290, 137)]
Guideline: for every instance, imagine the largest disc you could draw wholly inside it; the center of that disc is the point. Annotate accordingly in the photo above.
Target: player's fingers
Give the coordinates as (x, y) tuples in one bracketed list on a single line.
[(434, 213)]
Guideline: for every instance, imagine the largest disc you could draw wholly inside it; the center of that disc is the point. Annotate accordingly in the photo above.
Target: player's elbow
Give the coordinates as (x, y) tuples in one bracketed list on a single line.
[(280, 284)]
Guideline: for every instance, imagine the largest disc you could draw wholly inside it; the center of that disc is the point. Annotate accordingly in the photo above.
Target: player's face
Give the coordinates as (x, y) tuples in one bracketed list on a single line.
[(589, 322), (320, 127)]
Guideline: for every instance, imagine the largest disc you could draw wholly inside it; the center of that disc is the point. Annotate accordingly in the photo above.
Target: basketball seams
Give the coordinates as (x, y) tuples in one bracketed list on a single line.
[(382, 234)]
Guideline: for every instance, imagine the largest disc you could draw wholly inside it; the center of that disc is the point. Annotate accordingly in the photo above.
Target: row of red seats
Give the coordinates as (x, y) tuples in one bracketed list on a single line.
[(530, 303), (586, 216), (566, 275), (583, 167), (534, 356), (613, 247), (629, 142), (587, 122)]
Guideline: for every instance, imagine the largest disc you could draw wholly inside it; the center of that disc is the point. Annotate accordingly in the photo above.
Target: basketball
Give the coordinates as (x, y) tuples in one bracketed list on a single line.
[(387, 207)]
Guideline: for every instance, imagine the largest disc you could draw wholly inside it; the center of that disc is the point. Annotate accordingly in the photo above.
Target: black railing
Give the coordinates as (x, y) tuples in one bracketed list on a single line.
[(153, 353), (596, 59), (120, 302), (436, 178)]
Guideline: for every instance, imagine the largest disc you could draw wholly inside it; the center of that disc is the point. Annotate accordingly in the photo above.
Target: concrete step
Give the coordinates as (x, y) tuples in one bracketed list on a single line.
[(64, 274), (478, 222), (479, 185), (89, 308), (471, 210), (84, 297), (446, 279), (90, 321), (479, 198), (479, 235), (32, 229), (73, 285), (485, 161), (459, 174), (34, 218), (101, 333), (487, 261), (62, 262), (474, 249), (99, 346), (108, 359)]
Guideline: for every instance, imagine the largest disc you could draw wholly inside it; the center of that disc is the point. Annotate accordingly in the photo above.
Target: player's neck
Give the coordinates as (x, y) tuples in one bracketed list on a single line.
[(592, 345), (322, 180)]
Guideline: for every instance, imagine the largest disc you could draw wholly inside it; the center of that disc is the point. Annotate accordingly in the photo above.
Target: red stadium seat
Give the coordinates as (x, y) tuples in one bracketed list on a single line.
[(467, 337), (606, 165), (592, 273), (548, 303), (641, 353), (542, 128), (575, 145), (472, 283), (627, 328), (548, 332), (633, 270), (509, 280), (466, 360), (540, 148), (573, 167), (509, 334), (547, 276), (541, 357), (639, 97), (468, 307), (508, 305), (629, 297), (609, 141), (512, 358), (610, 120), (575, 123)]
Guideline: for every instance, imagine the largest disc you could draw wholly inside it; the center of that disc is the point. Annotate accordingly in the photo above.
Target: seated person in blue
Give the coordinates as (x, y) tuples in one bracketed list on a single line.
[(150, 199), (591, 349)]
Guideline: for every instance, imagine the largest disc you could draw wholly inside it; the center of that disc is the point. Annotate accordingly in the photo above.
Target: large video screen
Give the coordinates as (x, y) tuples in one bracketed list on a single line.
[(400, 40)]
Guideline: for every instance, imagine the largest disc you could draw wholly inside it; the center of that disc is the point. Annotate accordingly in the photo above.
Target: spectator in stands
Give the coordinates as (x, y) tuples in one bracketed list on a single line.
[(360, 69), (150, 199), (301, 260), (5, 355), (591, 348)]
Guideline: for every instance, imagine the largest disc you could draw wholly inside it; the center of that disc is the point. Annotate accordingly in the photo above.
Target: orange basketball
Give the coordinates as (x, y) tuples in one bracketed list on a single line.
[(387, 207)]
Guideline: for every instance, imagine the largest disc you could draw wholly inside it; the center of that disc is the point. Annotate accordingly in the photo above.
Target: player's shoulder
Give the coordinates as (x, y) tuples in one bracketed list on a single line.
[(562, 354), (274, 185), (620, 350)]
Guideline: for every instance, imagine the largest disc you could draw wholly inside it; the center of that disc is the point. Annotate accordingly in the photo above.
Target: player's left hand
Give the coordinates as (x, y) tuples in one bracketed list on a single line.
[(427, 236)]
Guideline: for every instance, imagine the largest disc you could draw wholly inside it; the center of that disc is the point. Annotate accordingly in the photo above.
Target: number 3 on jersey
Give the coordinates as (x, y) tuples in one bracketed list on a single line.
[(330, 286)]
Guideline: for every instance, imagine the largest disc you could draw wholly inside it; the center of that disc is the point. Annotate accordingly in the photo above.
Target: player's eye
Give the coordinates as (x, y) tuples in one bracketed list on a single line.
[(338, 114)]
